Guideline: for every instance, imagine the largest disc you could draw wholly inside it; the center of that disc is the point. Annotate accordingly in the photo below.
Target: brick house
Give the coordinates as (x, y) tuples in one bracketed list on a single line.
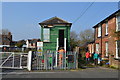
[(5, 39), (107, 38), (91, 47), (32, 43)]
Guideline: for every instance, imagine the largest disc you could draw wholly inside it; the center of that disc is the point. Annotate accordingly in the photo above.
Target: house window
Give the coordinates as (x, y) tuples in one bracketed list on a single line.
[(106, 28), (118, 23), (46, 34), (99, 31), (118, 49), (97, 48), (106, 48)]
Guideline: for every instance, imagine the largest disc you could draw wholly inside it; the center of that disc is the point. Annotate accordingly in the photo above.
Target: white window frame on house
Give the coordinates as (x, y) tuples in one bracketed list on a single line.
[(106, 49), (99, 30), (118, 23), (117, 50), (46, 34), (97, 47), (106, 28)]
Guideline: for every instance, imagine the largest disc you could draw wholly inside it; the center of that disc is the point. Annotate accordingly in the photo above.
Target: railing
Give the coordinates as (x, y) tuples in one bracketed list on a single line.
[(48, 61), (13, 60), (34, 61)]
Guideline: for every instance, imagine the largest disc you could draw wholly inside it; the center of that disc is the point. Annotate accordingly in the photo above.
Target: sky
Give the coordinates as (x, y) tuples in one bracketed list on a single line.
[(22, 18)]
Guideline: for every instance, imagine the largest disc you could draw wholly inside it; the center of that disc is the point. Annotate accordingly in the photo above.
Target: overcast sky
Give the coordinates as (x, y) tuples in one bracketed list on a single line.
[(22, 18)]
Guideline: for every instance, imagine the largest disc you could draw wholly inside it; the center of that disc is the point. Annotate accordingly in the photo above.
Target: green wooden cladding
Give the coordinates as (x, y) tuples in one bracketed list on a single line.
[(54, 34)]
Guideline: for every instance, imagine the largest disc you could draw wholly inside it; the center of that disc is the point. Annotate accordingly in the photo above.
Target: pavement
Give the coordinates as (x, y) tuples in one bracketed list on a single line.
[(96, 72)]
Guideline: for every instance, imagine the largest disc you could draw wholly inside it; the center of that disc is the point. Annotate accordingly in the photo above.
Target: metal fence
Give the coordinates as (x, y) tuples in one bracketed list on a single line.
[(51, 60)]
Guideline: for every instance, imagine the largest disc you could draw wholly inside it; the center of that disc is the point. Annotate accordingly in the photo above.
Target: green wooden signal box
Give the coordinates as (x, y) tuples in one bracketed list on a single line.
[(55, 34)]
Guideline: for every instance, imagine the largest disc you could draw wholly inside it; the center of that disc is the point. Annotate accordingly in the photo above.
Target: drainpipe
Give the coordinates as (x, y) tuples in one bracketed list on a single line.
[(101, 39)]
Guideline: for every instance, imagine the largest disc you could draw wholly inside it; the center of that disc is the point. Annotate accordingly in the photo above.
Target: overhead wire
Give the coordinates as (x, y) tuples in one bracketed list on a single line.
[(83, 12)]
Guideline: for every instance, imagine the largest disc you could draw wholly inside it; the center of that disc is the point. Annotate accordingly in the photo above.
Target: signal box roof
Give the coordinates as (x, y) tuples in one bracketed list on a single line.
[(54, 20)]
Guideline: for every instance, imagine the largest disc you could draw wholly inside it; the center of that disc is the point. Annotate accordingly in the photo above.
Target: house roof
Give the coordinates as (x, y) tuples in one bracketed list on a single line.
[(109, 17), (55, 20), (91, 42), (33, 40)]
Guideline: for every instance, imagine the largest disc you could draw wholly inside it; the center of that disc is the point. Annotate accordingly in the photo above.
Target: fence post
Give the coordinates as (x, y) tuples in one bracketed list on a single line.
[(13, 59), (45, 60), (56, 52), (20, 60), (29, 61), (76, 60), (65, 61)]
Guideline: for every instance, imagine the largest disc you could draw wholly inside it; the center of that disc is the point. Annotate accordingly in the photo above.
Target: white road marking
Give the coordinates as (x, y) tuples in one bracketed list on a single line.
[(30, 72)]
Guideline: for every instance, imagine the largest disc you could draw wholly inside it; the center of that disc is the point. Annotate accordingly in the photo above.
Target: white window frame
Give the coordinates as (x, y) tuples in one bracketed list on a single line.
[(99, 31), (97, 47), (46, 34), (106, 28), (106, 49), (117, 23), (117, 50)]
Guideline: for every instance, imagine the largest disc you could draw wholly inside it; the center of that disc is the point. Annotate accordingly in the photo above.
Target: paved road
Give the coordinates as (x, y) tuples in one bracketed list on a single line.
[(82, 73)]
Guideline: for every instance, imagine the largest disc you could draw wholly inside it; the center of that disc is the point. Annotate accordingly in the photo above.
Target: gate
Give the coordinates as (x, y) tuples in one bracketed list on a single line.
[(12, 60), (51, 60)]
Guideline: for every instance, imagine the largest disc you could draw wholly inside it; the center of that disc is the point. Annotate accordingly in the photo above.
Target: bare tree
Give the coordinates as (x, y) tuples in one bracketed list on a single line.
[(86, 36), (73, 39), (73, 35), (82, 39), (4, 31)]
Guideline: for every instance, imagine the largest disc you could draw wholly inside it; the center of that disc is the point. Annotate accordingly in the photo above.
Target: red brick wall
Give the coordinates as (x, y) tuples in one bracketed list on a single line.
[(104, 39), (103, 29), (111, 39), (96, 33), (91, 47), (98, 41)]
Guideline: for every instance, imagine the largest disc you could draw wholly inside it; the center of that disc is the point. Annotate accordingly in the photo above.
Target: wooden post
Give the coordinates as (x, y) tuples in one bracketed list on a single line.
[(56, 52)]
